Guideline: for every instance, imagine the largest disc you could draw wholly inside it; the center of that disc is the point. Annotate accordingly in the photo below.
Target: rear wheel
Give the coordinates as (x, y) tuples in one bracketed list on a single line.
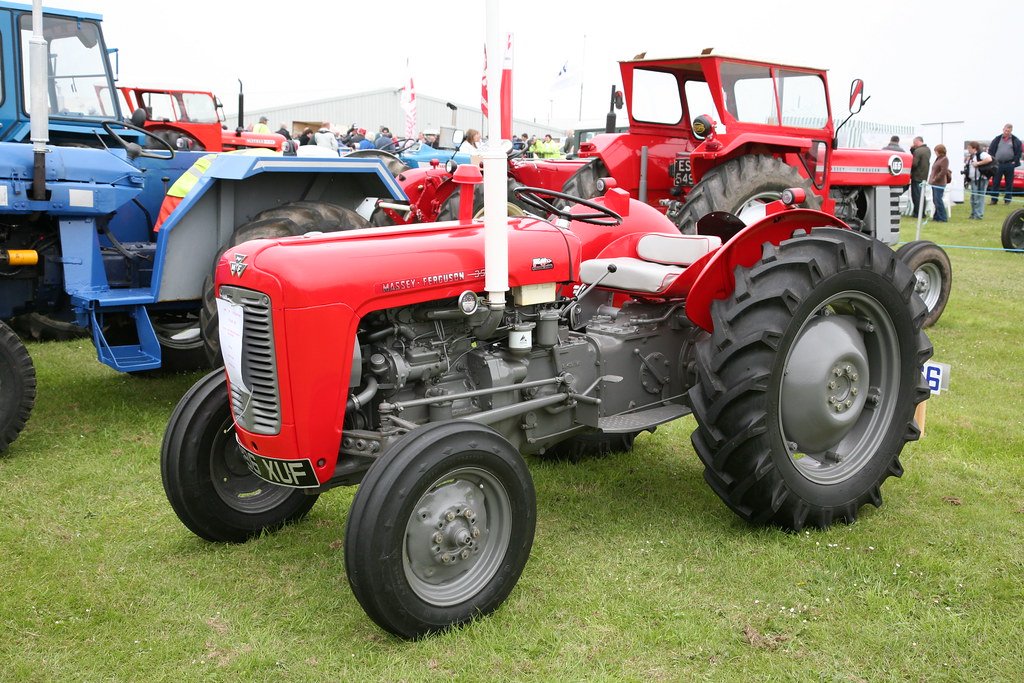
[(440, 528), (449, 210), (291, 219), (807, 387), (1013, 231), (741, 187), (933, 273), (583, 183), (17, 386), (395, 165), (206, 479)]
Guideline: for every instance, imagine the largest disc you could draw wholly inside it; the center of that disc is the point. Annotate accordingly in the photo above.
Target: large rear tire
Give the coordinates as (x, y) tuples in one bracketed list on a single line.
[(440, 528), (1013, 231), (807, 387), (206, 479), (287, 220), (17, 386), (741, 187), (933, 273)]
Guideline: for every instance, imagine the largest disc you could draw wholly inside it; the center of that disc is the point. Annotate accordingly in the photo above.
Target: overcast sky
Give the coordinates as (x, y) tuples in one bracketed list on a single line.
[(922, 61)]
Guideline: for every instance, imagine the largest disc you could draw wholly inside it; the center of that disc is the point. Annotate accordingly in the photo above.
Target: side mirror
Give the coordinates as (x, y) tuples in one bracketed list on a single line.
[(857, 98), (617, 99)]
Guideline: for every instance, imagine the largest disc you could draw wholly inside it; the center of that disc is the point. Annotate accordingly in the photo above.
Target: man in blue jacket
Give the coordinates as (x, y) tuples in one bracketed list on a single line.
[(1005, 149)]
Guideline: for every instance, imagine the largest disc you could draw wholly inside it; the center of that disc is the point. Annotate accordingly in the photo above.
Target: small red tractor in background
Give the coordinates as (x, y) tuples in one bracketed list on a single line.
[(192, 119)]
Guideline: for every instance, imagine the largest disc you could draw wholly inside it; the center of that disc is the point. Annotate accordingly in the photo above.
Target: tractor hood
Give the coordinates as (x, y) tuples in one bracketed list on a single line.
[(102, 180), (372, 269)]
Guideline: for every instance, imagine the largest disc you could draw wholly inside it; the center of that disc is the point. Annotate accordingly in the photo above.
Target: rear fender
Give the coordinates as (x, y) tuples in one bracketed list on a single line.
[(716, 279)]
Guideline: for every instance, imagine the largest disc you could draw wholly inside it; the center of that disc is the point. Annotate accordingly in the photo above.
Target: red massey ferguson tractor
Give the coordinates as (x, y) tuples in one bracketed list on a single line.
[(713, 133), (423, 362)]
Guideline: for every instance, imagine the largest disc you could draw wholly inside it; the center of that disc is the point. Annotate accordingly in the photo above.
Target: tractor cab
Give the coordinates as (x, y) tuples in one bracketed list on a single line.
[(79, 80)]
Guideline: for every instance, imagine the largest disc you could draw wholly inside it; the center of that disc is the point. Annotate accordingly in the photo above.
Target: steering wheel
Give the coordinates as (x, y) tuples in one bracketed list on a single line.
[(134, 149), (516, 153), (539, 198), (402, 145)]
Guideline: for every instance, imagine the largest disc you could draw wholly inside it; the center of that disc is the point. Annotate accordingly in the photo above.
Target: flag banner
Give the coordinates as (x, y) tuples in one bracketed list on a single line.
[(567, 76), (408, 104)]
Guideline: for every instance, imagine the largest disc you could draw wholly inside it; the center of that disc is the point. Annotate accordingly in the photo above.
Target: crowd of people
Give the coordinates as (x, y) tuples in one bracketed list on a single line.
[(356, 138), (988, 171)]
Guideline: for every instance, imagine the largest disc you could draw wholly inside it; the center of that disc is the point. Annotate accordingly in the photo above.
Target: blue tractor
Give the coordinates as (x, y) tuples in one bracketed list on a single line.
[(80, 192)]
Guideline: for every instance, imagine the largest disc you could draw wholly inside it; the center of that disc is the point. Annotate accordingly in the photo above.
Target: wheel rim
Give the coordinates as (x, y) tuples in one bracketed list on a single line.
[(928, 284), (840, 387), (234, 482), (457, 536), (753, 209)]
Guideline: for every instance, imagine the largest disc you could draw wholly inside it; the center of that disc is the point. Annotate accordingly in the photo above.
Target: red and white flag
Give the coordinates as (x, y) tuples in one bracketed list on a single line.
[(408, 103), (506, 88)]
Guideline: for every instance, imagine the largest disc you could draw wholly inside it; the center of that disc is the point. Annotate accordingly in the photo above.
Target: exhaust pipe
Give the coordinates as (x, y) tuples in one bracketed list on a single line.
[(39, 108), (495, 172)]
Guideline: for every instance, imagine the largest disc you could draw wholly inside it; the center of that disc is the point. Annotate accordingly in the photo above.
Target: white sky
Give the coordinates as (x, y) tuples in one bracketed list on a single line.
[(914, 55)]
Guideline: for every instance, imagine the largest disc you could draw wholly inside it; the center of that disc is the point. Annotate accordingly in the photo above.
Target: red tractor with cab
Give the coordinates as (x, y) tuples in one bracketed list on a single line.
[(192, 119), (715, 133)]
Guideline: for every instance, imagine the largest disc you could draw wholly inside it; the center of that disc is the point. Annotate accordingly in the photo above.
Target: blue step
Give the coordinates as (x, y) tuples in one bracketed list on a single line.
[(130, 357)]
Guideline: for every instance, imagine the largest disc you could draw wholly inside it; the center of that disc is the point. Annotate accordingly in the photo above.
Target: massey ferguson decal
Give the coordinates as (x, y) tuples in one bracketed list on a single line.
[(239, 265), (543, 263), (416, 282)]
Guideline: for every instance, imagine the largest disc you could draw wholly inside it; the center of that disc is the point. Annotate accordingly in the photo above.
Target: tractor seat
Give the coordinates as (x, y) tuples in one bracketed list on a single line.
[(659, 261)]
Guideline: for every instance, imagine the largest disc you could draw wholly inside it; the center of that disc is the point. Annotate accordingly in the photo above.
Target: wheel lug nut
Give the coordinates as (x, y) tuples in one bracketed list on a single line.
[(465, 554), (468, 514), (832, 385), (450, 516), (853, 391), (446, 558), (476, 532), (438, 538), (853, 376)]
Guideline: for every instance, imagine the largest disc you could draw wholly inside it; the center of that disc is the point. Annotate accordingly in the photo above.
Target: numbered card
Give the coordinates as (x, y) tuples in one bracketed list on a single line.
[(937, 376)]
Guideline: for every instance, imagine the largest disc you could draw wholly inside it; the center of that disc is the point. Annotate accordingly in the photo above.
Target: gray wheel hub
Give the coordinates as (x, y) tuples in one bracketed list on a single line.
[(823, 390), (928, 284), (456, 536)]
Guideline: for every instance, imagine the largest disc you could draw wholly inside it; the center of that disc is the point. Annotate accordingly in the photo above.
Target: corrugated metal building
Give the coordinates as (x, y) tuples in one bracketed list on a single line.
[(371, 110)]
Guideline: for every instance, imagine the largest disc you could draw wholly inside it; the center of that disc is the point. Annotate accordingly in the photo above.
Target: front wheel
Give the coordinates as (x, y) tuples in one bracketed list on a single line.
[(440, 528), (807, 387), (17, 386), (207, 481), (933, 273)]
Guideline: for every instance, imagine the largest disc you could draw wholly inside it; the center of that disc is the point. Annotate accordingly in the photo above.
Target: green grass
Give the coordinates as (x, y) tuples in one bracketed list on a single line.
[(638, 571)]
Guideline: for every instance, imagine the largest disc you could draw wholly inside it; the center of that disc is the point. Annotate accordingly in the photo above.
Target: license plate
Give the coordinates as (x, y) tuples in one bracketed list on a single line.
[(297, 474), (682, 175)]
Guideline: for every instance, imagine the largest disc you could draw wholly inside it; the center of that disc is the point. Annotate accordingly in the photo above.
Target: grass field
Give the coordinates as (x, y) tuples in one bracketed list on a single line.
[(638, 571)]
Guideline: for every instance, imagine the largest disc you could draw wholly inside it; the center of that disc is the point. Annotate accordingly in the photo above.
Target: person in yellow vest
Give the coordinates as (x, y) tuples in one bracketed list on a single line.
[(187, 180), (262, 126)]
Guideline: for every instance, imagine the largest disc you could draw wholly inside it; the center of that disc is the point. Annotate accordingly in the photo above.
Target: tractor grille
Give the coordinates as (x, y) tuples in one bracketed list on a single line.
[(256, 406)]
